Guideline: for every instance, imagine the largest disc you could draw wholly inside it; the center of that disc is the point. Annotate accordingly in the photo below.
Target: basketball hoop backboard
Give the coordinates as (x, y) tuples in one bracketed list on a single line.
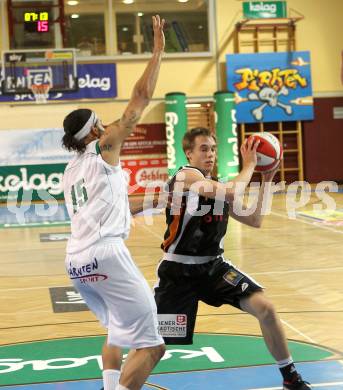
[(23, 69)]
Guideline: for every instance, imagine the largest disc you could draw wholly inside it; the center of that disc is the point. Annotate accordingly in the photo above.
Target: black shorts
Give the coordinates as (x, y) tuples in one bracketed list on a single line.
[(182, 286)]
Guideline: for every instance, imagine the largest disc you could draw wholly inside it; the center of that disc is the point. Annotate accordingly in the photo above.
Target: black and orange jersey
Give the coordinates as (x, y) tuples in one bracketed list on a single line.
[(196, 225)]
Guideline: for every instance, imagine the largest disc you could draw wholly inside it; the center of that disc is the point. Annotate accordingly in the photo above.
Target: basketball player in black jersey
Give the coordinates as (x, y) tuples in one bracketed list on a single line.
[(193, 268)]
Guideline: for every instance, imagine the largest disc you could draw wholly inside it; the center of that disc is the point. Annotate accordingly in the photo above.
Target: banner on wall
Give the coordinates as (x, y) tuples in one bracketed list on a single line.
[(96, 81), (271, 87), (146, 172), (32, 163), (146, 139), (264, 9), (226, 132), (176, 126)]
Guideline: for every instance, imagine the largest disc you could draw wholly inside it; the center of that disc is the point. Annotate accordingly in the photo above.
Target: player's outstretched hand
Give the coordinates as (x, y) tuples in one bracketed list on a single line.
[(159, 40)]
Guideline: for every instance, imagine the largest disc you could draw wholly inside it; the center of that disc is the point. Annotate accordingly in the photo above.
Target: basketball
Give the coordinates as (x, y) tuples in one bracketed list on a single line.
[(269, 151)]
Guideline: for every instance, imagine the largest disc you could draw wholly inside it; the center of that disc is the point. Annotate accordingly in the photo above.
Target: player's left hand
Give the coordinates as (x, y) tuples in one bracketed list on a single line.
[(159, 40)]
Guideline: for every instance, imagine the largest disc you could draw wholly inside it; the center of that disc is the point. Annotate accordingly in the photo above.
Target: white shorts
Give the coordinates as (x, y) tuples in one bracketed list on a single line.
[(117, 293)]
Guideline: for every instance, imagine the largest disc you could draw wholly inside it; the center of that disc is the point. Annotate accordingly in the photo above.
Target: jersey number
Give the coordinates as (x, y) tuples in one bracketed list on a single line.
[(78, 195)]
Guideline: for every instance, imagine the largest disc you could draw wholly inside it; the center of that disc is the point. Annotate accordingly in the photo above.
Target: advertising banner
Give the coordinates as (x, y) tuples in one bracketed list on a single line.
[(264, 9), (213, 356), (176, 126), (146, 139), (226, 132), (32, 162), (96, 81), (144, 172), (31, 182), (271, 87)]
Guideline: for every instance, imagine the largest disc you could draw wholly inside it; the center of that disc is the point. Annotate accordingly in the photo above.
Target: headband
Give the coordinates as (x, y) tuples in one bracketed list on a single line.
[(86, 129)]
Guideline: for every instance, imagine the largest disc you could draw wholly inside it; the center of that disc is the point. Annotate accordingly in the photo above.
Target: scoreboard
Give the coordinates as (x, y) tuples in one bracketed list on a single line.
[(36, 21)]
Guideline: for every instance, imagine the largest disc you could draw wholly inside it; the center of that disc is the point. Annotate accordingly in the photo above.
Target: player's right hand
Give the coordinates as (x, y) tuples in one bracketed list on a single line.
[(159, 40), (248, 152)]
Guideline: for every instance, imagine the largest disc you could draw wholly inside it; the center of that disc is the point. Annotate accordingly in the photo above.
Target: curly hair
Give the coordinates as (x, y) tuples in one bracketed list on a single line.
[(72, 123)]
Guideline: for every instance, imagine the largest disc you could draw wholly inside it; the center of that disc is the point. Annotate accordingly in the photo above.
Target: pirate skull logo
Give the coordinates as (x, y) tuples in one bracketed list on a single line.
[(269, 97)]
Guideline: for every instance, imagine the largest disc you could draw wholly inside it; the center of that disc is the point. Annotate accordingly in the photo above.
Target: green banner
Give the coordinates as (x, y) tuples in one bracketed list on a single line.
[(176, 126), (31, 182), (226, 131), (264, 9)]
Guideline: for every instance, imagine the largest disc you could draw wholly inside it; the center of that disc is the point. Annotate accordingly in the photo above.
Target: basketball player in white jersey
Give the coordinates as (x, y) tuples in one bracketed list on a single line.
[(193, 268), (97, 260)]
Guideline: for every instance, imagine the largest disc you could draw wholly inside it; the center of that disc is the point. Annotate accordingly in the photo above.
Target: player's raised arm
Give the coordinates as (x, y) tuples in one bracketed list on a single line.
[(142, 92)]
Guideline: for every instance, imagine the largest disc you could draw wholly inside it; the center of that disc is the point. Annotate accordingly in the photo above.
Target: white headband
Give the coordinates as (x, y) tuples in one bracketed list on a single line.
[(86, 129)]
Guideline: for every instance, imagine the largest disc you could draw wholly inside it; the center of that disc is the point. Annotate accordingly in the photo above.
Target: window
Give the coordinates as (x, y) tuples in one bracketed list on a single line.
[(185, 31), (108, 27), (126, 34), (86, 33)]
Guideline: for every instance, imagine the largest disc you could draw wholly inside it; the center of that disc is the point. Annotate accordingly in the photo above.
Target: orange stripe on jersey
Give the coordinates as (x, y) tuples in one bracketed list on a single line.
[(173, 228)]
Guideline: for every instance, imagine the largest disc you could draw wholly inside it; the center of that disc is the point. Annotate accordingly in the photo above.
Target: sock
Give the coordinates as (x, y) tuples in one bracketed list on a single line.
[(287, 369), (121, 387), (110, 379)]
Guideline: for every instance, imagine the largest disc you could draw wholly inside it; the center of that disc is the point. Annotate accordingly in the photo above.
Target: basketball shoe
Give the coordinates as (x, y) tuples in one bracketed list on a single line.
[(296, 384)]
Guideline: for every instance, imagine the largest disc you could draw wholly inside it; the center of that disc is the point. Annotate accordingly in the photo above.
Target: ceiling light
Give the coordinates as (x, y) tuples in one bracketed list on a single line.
[(140, 14), (130, 1), (182, 1), (74, 16), (72, 2), (125, 29)]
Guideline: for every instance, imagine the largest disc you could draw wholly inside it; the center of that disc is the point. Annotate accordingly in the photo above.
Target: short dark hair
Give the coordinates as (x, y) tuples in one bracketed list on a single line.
[(72, 123), (189, 137)]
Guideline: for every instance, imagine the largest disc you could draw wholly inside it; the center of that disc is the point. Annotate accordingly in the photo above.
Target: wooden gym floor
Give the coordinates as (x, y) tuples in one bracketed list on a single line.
[(300, 262)]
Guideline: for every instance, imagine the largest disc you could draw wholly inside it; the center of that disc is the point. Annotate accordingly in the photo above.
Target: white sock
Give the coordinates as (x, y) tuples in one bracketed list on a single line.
[(121, 387), (110, 378), (285, 362)]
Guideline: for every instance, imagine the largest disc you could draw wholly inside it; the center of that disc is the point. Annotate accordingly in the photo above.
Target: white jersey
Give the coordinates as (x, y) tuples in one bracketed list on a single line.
[(96, 197)]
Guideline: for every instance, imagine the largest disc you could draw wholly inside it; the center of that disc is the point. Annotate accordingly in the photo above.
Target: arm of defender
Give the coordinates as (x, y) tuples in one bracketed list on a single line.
[(136, 206), (110, 143), (155, 200)]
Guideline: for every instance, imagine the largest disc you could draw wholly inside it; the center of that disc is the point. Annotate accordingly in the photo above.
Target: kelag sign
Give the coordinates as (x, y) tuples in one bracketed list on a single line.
[(264, 9), (271, 87), (32, 162), (96, 81)]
